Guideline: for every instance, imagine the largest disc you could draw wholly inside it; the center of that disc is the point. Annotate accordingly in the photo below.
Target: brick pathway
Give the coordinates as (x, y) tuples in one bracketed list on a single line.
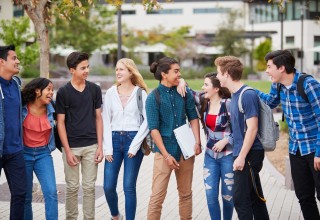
[(282, 203)]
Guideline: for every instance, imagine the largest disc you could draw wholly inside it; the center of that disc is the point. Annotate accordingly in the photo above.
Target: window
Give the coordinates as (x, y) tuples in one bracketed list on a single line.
[(290, 40), (165, 11), (210, 10), (316, 55), (128, 12), (18, 11)]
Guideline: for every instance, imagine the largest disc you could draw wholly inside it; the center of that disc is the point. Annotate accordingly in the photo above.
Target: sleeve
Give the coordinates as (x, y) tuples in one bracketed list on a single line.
[(272, 99), (152, 112), (143, 130), (190, 106), (98, 97), (107, 132), (60, 102), (250, 104), (197, 98), (313, 92)]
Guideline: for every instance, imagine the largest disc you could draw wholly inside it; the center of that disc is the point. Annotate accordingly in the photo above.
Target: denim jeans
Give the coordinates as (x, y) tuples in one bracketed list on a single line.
[(246, 201), (39, 161), (213, 171), (121, 141), (306, 182), (14, 168)]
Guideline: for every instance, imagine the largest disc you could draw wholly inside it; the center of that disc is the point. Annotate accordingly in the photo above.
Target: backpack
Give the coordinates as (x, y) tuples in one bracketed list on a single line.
[(268, 129), (147, 144), (300, 88), (57, 140)]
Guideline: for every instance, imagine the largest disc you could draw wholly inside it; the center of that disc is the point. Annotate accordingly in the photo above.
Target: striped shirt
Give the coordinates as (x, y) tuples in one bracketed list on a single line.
[(303, 118), (222, 129)]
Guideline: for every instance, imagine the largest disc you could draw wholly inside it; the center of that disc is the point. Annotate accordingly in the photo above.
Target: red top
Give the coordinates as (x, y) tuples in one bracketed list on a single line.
[(36, 130), (211, 121)]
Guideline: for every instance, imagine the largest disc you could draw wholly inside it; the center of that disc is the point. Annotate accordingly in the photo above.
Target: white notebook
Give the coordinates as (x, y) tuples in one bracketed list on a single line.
[(186, 140)]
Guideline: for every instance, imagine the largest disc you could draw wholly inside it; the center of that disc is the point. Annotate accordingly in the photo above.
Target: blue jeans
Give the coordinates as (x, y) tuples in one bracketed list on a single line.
[(14, 168), (213, 171), (121, 142), (39, 161)]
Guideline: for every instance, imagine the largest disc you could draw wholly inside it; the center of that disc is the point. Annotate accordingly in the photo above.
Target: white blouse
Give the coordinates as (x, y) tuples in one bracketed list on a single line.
[(117, 118)]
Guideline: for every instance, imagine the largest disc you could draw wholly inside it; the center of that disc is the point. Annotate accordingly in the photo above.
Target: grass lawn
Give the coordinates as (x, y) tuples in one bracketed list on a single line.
[(196, 84)]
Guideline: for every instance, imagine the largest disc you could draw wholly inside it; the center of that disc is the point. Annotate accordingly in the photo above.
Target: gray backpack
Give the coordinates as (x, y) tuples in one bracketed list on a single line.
[(268, 131)]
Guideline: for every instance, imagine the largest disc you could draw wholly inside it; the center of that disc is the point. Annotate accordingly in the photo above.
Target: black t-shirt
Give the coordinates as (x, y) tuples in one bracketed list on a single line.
[(80, 118)]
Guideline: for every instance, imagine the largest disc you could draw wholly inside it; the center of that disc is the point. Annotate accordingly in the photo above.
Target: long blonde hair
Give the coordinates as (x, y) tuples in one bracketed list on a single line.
[(137, 78)]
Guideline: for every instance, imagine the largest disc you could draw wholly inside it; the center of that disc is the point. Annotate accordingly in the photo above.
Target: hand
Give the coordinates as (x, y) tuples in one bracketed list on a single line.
[(197, 149), (182, 87), (130, 155), (218, 147), (238, 164), (109, 158), (172, 163), (99, 156), (317, 163), (72, 160)]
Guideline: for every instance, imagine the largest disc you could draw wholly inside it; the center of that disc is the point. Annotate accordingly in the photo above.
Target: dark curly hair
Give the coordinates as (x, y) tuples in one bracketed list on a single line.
[(162, 65), (29, 91)]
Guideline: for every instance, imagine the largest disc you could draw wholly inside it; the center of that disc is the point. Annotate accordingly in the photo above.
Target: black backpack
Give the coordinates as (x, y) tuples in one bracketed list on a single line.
[(300, 89)]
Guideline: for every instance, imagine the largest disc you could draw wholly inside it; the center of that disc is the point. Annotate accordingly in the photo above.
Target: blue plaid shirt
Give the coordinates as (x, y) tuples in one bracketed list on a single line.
[(169, 114), (303, 117)]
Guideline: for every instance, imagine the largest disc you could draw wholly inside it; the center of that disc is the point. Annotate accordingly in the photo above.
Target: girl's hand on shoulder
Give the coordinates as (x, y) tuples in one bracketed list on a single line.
[(182, 87), (130, 155), (109, 158)]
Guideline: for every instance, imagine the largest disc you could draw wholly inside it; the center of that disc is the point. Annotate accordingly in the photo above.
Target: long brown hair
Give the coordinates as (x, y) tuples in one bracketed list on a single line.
[(223, 93)]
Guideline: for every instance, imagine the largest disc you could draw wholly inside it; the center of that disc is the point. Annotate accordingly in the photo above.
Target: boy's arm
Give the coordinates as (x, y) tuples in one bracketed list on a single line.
[(196, 132), (99, 130), (70, 157), (250, 135), (272, 99)]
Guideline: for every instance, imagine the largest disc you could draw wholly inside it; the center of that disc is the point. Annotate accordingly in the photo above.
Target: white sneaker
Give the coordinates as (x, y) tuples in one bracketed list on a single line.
[(120, 217)]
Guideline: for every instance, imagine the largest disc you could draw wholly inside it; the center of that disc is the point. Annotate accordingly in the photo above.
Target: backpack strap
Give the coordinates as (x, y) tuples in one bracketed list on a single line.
[(300, 87), (140, 103), (240, 98), (157, 95), (64, 94)]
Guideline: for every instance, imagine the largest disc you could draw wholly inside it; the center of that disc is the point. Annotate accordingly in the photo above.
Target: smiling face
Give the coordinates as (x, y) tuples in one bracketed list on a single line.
[(11, 65), (45, 96), (208, 89), (172, 77), (274, 72), (81, 72), (122, 73)]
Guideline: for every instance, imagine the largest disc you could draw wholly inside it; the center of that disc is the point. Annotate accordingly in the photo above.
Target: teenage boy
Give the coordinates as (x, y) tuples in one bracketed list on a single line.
[(303, 119), (80, 130), (247, 150), (11, 148), (165, 112)]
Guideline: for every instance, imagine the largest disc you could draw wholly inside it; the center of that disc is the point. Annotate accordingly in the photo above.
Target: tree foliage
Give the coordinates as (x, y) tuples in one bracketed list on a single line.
[(259, 53), (16, 31), (229, 36), (84, 32)]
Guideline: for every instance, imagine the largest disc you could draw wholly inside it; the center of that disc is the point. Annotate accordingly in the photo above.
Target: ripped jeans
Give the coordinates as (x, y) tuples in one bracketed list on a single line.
[(213, 171)]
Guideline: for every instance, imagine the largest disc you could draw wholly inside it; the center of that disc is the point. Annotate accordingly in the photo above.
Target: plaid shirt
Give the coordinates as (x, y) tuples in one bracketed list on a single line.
[(303, 117), (168, 115), (222, 129)]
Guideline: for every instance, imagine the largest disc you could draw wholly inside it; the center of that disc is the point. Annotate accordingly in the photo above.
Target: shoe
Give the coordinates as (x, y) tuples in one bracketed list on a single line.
[(120, 217)]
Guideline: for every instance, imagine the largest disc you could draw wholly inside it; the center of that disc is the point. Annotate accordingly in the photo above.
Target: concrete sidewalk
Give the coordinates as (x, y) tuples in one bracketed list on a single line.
[(282, 203)]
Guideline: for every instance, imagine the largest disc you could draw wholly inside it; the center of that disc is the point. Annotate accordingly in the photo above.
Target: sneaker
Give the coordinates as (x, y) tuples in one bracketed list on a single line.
[(120, 217)]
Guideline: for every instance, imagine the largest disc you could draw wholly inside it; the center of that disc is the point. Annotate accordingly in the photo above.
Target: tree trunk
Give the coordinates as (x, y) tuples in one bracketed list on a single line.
[(37, 13)]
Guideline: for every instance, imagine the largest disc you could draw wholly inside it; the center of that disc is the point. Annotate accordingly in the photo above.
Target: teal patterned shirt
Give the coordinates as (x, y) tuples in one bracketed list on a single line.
[(168, 114)]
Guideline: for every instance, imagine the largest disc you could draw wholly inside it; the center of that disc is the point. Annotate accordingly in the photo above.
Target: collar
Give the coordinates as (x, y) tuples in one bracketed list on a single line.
[(5, 82), (166, 89)]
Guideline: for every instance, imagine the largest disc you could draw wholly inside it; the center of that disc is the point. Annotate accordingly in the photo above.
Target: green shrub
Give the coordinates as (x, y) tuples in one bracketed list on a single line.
[(31, 71), (102, 70)]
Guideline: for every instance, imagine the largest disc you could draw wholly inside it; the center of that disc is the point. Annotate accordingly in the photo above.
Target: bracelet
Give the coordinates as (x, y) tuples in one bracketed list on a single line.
[(167, 157)]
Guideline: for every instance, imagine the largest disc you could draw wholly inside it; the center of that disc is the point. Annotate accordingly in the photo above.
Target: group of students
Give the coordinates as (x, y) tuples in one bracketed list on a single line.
[(233, 157)]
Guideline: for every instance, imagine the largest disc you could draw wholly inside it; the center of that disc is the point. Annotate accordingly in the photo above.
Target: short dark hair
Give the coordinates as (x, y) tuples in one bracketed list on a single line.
[(162, 65), (282, 58), (4, 51), (29, 91), (75, 58)]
